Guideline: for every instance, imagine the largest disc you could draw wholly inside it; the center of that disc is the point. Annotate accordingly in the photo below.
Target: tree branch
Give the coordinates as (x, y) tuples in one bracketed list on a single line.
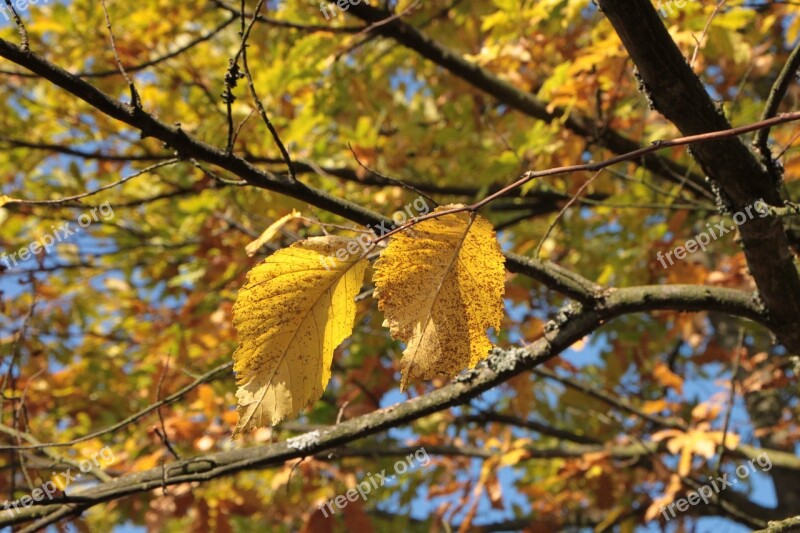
[(501, 366), (782, 526), (504, 92), (776, 94), (678, 94)]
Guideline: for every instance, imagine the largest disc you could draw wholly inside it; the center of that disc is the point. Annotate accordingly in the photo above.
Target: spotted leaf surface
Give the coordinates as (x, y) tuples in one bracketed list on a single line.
[(289, 317), (440, 286)]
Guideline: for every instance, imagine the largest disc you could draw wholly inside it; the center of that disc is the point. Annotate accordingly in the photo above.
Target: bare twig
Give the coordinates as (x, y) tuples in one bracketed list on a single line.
[(67, 199), (208, 376), (240, 126), (18, 341), (145, 64), (705, 31), (611, 400), (18, 418), (214, 176), (57, 459), (389, 19), (391, 179), (287, 24), (776, 94), (136, 102), (515, 361), (563, 210), (731, 398), (163, 435), (23, 32), (261, 111), (655, 146)]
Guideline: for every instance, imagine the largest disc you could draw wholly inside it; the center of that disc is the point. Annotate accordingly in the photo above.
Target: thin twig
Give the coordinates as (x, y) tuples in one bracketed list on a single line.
[(341, 411), (705, 31), (136, 102), (368, 29), (240, 126), (731, 398), (18, 341), (23, 32), (654, 147), (76, 197), (291, 25), (57, 459), (18, 418), (776, 94), (389, 19), (596, 167), (56, 515), (208, 376), (792, 139), (145, 64), (231, 80), (164, 436), (619, 403), (9, 378), (391, 179), (563, 210), (251, 85), (214, 176)]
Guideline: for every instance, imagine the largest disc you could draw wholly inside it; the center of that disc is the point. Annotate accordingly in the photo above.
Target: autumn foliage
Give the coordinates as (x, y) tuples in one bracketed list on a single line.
[(255, 256)]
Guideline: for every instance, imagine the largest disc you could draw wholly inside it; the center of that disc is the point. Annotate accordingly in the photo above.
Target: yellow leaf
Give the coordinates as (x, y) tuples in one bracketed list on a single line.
[(491, 443), (628, 525), (147, 462), (695, 441), (6, 200), (440, 286), (667, 377), (253, 248), (654, 406), (705, 411), (611, 518), (594, 471), (579, 344), (61, 484), (670, 491), (605, 275), (513, 457), (291, 314)]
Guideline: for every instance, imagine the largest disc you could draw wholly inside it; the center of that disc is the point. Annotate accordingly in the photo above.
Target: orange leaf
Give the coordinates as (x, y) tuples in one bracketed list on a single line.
[(356, 519), (318, 523), (654, 406), (667, 377)]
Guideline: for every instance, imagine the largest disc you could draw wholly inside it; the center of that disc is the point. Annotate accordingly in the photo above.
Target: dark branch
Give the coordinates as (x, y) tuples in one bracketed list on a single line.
[(678, 94), (501, 366)]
